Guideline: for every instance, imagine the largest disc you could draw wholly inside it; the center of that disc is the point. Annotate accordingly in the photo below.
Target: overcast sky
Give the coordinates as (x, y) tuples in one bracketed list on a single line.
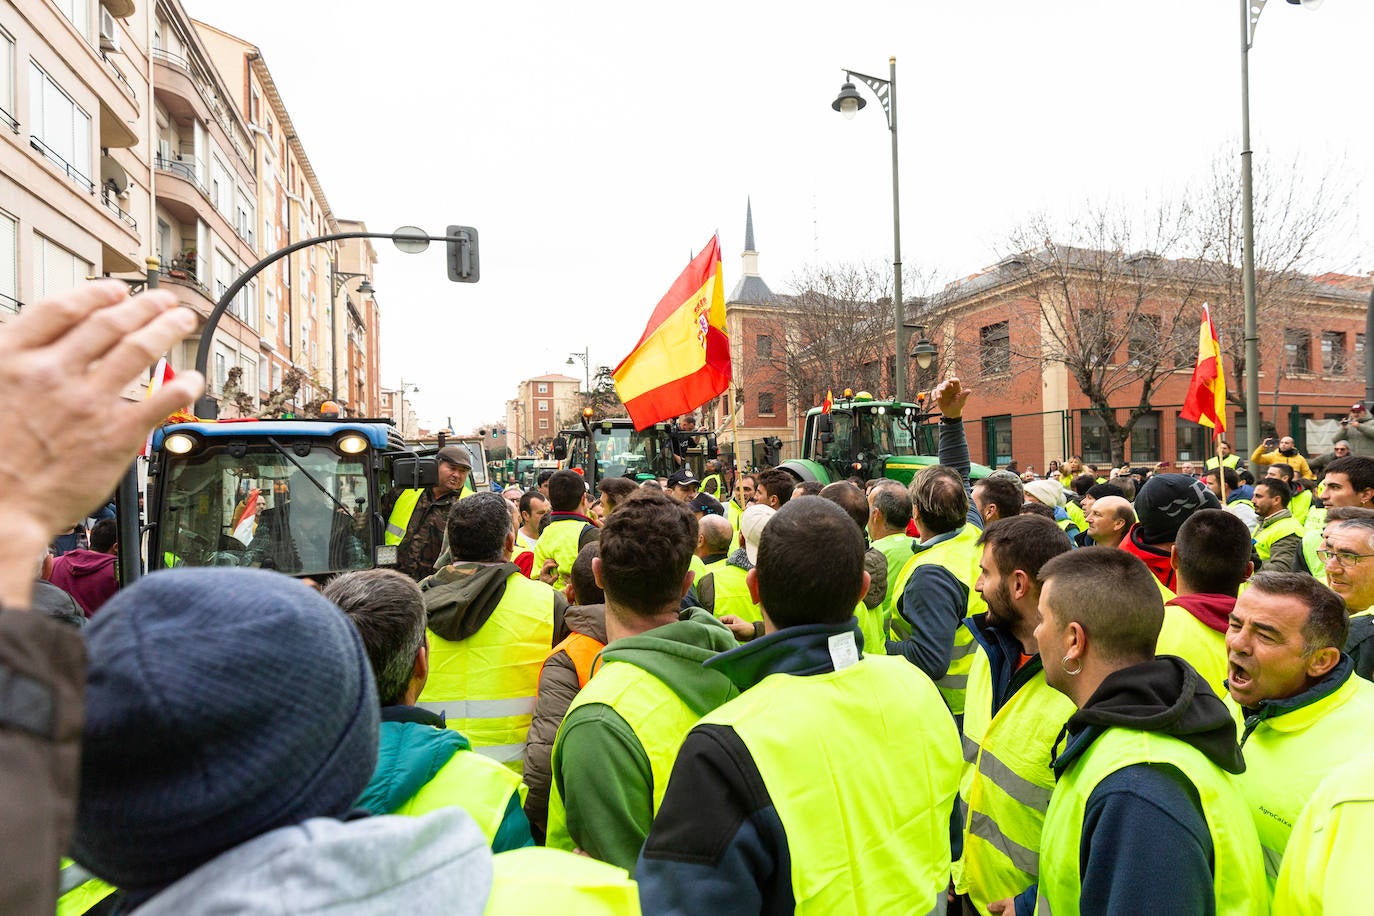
[(596, 146)]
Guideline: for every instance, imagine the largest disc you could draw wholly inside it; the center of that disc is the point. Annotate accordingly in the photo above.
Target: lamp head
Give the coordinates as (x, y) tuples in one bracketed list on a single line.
[(365, 288), (848, 102)]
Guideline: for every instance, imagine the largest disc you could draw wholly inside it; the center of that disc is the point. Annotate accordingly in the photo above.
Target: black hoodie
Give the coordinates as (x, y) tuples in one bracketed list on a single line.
[(1145, 840)]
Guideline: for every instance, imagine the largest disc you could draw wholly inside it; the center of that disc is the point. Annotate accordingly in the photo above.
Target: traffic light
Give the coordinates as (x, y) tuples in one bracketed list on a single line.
[(462, 254)]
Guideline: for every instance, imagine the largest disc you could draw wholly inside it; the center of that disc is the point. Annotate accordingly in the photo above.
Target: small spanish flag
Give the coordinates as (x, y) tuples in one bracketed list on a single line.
[(683, 358), (1206, 400), (828, 403)]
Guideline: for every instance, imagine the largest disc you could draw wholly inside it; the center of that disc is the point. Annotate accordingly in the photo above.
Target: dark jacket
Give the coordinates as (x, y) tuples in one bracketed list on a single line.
[(1145, 821), (558, 687), (935, 600), (44, 664), (424, 537), (57, 604), (1359, 645), (86, 575)]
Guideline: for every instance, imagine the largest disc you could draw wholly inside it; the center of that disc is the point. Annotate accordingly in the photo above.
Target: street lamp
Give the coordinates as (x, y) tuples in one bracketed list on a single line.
[(405, 386), (337, 279), (924, 351), (848, 103), (1250, 11), (586, 358)]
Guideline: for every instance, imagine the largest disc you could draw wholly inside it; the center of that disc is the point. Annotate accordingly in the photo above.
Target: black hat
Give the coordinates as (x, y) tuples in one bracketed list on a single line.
[(1166, 501), (705, 504), (683, 477)]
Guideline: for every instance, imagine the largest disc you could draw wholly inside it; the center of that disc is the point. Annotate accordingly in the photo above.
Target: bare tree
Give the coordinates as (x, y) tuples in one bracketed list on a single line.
[(1111, 303), (1300, 213)]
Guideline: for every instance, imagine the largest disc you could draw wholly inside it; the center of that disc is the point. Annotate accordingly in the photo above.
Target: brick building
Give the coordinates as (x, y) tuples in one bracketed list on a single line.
[(1002, 333)]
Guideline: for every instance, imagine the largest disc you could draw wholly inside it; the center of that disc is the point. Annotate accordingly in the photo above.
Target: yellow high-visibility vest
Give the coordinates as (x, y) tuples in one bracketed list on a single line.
[(877, 722), (1006, 784), (659, 718), (1238, 871), (399, 521), (486, 685), (960, 555)]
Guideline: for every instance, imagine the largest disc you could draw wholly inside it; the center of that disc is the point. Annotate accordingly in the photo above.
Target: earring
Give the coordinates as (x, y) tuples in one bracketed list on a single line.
[(1064, 663)]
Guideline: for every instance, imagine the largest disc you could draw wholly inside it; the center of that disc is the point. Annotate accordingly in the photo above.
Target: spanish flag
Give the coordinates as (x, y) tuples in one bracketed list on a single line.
[(1206, 400), (683, 358)]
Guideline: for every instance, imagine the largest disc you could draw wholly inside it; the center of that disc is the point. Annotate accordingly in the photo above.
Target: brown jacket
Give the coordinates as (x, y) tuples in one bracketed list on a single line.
[(558, 687), (43, 670)]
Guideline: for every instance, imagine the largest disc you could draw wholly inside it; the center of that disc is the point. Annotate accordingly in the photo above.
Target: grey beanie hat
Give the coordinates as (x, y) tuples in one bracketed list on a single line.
[(220, 704)]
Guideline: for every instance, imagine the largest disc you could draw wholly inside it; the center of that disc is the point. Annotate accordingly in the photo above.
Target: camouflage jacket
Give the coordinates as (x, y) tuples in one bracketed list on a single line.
[(424, 537)]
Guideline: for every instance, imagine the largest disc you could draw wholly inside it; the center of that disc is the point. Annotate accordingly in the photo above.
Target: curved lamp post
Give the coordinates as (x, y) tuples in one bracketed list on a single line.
[(848, 103)]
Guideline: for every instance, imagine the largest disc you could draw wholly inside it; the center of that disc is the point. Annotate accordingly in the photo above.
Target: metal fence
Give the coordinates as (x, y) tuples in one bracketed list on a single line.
[(1034, 439)]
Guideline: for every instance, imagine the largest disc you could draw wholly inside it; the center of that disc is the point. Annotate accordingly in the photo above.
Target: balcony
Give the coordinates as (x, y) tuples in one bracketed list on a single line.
[(192, 292), (77, 177), (183, 170), (9, 120), (183, 87), (119, 213)]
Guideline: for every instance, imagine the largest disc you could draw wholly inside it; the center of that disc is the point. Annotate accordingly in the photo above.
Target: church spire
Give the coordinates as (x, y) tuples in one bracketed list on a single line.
[(748, 224), (751, 287)]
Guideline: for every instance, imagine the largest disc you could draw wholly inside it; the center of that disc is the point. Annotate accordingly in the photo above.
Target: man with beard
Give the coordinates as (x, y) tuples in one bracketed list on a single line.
[(1286, 453), (1011, 716)]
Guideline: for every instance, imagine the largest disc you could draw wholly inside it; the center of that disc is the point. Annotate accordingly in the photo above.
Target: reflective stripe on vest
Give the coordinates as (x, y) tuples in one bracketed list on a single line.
[(875, 723), (559, 542), (540, 880), (1268, 534), (78, 890), (480, 786), (486, 685), (1237, 869), (732, 595), (399, 521), (959, 555), (1006, 786), (658, 717)]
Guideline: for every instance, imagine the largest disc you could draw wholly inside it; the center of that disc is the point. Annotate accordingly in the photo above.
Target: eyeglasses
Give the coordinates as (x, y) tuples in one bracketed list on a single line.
[(1344, 558), (1339, 449)]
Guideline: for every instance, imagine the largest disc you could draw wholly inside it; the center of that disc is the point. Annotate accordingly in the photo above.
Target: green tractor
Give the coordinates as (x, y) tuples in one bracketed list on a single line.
[(614, 448), (861, 437)]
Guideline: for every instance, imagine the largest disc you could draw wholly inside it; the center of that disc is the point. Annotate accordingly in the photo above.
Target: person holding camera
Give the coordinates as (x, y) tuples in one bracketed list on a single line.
[(1286, 452), (1358, 431)]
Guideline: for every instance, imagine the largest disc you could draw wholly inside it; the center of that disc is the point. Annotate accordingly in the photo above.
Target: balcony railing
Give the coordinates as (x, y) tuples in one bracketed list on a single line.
[(71, 171), (9, 119), (120, 213), (237, 139), (117, 74), (184, 278), (181, 170), (10, 304)]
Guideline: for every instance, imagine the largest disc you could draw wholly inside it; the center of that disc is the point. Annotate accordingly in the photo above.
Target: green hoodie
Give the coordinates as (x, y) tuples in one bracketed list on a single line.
[(597, 751)]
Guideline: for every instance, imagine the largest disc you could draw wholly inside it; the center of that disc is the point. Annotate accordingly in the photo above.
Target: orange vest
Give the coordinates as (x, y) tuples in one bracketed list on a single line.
[(583, 650)]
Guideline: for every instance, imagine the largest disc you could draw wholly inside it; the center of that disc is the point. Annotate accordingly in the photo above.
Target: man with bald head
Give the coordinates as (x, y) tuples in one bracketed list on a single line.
[(714, 535), (1109, 519)]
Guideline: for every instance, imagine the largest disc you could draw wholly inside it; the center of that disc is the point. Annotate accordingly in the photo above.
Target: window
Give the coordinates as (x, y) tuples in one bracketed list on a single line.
[(269, 306), (79, 12), (1145, 438), (1191, 441), (994, 350), (222, 359), (765, 403), (1297, 350), (1143, 345), (276, 376), (541, 405), (542, 388), (253, 103), (1093, 434), (1333, 352), (264, 376), (9, 263), (764, 346), (997, 432), (60, 125), (543, 422), (7, 81), (57, 269)]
